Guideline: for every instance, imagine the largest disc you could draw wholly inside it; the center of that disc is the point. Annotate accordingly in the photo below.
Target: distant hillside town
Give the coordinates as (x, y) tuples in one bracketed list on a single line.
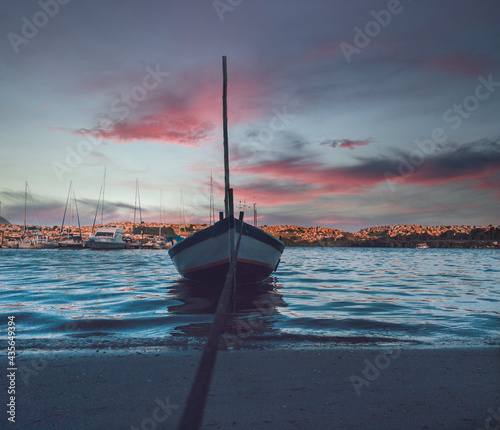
[(390, 236)]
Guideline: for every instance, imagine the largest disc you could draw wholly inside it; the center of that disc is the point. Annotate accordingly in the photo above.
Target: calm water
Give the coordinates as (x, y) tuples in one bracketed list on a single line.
[(92, 299)]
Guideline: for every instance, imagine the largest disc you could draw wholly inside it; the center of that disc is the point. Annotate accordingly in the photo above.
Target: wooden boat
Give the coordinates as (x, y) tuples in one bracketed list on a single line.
[(205, 255)]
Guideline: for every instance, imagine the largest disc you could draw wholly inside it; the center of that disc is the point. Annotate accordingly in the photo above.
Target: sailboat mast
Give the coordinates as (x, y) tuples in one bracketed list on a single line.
[(96, 210), (212, 209), (65, 209), (25, 200), (226, 139), (182, 218), (135, 204), (161, 198), (103, 188), (77, 216)]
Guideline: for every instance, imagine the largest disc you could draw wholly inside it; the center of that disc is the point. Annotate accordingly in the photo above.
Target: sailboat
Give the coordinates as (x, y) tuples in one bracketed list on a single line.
[(67, 239), (131, 242), (35, 239), (205, 255), (110, 237)]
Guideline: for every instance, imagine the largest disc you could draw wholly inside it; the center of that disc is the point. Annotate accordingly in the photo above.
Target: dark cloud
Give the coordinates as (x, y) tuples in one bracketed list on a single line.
[(477, 161), (345, 143)]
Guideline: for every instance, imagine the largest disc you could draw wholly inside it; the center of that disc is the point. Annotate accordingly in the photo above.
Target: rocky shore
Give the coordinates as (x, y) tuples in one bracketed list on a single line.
[(390, 236)]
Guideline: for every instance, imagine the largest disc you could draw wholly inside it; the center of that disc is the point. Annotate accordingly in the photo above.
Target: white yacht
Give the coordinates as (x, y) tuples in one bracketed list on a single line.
[(422, 246), (106, 238)]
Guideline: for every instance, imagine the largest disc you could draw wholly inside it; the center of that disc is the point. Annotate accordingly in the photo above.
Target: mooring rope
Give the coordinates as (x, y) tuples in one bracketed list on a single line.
[(195, 405)]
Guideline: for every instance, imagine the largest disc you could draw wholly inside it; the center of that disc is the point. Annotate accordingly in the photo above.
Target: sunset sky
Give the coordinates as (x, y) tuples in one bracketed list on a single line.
[(345, 114)]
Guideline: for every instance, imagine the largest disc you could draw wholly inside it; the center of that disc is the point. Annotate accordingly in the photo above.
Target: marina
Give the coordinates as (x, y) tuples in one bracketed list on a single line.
[(305, 238)]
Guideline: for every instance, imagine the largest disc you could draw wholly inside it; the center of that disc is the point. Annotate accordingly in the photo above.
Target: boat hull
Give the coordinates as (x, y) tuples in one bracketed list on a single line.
[(205, 255), (45, 245), (70, 245), (97, 245), (133, 245), (26, 245)]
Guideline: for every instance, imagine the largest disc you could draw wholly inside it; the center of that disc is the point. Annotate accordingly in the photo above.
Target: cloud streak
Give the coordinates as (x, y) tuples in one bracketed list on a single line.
[(477, 161), (345, 143)]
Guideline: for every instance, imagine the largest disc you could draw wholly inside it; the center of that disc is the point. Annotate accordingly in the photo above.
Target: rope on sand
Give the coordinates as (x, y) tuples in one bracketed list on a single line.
[(195, 405)]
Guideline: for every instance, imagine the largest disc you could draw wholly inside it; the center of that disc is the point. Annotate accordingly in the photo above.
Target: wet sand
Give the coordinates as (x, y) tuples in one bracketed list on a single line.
[(291, 388)]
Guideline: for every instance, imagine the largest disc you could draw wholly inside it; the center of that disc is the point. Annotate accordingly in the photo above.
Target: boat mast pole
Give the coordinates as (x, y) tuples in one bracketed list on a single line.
[(161, 198), (25, 198), (77, 216), (103, 188), (212, 211), (96, 210), (65, 208), (226, 144), (135, 204)]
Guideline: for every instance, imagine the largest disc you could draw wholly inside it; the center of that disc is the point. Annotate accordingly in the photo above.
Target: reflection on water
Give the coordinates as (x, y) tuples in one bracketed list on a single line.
[(76, 299), (251, 310)]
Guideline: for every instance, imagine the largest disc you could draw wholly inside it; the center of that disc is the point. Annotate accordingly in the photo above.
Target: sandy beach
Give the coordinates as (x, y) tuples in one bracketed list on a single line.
[(290, 388)]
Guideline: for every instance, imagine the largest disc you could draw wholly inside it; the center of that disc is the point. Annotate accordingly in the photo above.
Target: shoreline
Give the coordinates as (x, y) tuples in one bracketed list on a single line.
[(404, 236), (293, 388)]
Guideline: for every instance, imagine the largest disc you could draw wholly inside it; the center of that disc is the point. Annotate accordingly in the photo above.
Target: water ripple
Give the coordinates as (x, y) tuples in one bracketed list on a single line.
[(85, 298)]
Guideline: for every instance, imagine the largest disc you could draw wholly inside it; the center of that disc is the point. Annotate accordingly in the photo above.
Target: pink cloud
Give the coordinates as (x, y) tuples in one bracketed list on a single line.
[(459, 64), (184, 110)]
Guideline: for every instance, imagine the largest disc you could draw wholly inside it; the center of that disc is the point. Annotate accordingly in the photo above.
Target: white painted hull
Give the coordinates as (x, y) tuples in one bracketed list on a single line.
[(206, 257)]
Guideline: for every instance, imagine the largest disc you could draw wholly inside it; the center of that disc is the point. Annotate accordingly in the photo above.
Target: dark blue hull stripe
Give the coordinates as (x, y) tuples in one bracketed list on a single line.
[(246, 273)]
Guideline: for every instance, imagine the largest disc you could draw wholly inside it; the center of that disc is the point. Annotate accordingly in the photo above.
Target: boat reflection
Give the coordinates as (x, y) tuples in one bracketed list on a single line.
[(251, 310)]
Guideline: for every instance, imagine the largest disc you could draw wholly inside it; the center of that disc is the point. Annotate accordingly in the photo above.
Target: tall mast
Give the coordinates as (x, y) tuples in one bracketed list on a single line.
[(212, 209), (25, 198), (96, 210), (77, 216), (226, 144), (182, 217), (135, 204), (103, 188), (139, 200), (66, 208), (161, 197)]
